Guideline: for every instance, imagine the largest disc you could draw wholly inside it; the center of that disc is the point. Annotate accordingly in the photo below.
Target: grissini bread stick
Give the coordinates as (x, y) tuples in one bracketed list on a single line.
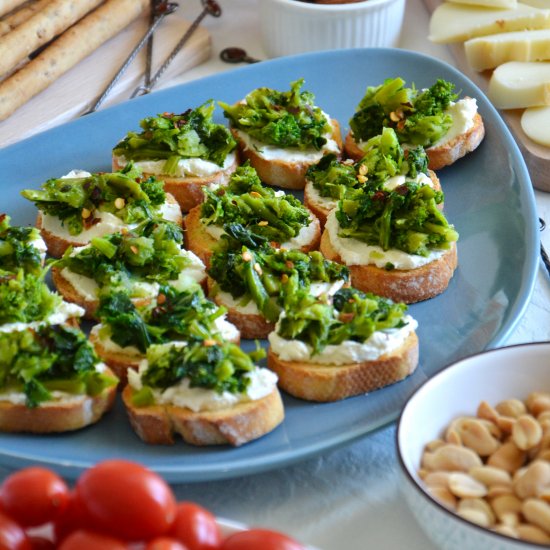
[(74, 45), (55, 18), (8, 5), (15, 19)]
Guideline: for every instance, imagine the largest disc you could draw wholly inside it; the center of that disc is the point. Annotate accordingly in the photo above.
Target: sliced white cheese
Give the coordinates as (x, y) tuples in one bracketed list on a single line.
[(508, 4), (457, 22), (518, 84), (541, 4), (488, 52), (535, 122)]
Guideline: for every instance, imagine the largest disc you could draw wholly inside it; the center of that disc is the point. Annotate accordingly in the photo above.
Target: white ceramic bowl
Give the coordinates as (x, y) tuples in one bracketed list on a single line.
[(292, 26), (493, 376)]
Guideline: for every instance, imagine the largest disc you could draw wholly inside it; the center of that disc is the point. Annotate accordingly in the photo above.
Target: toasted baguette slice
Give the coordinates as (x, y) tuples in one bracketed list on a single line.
[(440, 156), (188, 191), (57, 245), (158, 424), (319, 382), (56, 416), (322, 208), (400, 285), (281, 172), (199, 241)]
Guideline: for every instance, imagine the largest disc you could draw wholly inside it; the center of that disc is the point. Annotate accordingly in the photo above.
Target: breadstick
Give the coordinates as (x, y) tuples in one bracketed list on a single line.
[(44, 25), (15, 19), (71, 47), (8, 5)]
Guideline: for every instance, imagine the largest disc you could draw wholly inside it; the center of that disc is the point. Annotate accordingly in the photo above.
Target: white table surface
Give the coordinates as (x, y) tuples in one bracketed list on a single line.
[(346, 499)]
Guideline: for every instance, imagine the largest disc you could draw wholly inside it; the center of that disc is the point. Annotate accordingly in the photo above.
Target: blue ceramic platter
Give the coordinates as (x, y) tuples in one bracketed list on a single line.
[(488, 196)]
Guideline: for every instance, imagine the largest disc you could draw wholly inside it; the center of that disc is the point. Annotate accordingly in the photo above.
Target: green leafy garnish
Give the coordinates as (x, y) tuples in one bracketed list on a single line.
[(16, 248), (285, 119), (417, 116), (172, 137), (76, 200)]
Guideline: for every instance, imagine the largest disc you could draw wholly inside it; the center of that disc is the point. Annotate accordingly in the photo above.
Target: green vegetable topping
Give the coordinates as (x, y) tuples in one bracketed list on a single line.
[(25, 297), (172, 137), (417, 116), (76, 200), (266, 275), (150, 253), (219, 367), (284, 119), (37, 362), (16, 248), (264, 212), (352, 315), (174, 315), (405, 218), (383, 159)]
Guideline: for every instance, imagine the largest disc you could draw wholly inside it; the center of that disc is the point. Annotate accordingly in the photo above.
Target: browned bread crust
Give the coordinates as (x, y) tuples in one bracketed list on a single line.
[(321, 211), (158, 424), (188, 191), (438, 157), (54, 417), (58, 245), (317, 382), (279, 172), (199, 241), (401, 285)]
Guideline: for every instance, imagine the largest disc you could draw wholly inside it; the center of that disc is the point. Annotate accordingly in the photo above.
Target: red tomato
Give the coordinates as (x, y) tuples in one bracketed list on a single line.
[(196, 527), (126, 500), (253, 539), (39, 543), (12, 535), (33, 496), (165, 543), (88, 540), (72, 518)]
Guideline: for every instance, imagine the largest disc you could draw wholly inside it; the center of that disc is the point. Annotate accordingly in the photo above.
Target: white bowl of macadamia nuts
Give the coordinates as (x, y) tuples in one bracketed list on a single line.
[(474, 448)]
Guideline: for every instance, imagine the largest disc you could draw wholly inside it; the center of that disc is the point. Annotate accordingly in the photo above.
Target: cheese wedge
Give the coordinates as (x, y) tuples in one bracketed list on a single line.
[(507, 4), (457, 22), (535, 122), (488, 52), (518, 84)]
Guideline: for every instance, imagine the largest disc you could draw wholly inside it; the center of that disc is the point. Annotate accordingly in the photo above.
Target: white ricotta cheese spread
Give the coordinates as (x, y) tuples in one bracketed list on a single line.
[(378, 344), (463, 113)]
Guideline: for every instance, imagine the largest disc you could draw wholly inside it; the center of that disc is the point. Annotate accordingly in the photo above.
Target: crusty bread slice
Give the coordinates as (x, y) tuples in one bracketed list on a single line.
[(319, 382), (400, 285), (438, 157), (188, 191), (56, 416), (321, 210), (199, 241), (158, 424), (57, 245), (281, 172)]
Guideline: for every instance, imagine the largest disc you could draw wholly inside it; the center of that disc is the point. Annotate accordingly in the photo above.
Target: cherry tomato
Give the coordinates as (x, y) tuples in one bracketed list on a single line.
[(165, 543), (126, 500), (196, 527), (253, 539), (12, 535), (88, 540), (39, 543), (33, 496), (72, 518)]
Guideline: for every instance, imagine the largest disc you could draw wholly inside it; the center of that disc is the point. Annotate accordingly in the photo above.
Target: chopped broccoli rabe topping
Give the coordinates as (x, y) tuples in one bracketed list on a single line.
[(265, 275), (75, 201), (173, 137), (285, 119), (173, 315), (221, 367), (265, 213), (149, 253), (383, 159), (16, 248), (417, 116), (406, 218), (37, 362), (25, 297), (352, 315)]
